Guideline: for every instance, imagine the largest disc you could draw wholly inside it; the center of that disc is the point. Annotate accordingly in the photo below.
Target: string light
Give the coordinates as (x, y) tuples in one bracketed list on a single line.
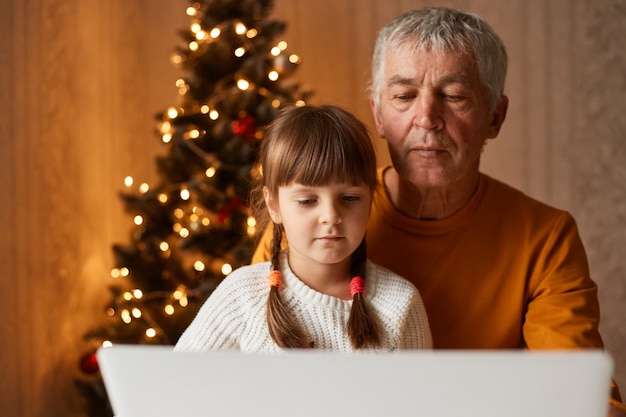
[(243, 84), (240, 28), (227, 269), (128, 181), (215, 33), (138, 220)]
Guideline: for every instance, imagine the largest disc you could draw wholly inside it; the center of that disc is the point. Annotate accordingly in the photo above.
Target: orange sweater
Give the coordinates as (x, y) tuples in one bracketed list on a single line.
[(505, 272)]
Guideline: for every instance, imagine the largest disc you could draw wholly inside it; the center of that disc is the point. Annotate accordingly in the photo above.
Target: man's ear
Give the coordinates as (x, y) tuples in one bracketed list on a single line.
[(498, 116), (377, 119), (272, 205)]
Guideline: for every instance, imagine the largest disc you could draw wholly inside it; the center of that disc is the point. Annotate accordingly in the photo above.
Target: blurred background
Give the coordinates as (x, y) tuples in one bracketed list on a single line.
[(81, 82)]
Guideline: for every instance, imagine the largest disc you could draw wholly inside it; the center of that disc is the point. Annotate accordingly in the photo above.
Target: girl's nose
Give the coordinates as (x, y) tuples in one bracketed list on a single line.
[(330, 214)]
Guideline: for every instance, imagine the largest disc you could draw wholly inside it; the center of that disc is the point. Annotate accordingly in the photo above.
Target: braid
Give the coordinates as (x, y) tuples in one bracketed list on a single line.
[(361, 325), (282, 327)]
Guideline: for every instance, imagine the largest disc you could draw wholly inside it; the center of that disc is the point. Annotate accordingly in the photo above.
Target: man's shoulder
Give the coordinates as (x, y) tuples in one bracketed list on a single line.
[(501, 193)]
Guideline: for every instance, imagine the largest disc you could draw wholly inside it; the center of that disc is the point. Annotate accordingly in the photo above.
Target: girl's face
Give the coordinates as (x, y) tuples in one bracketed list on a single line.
[(323, 224)]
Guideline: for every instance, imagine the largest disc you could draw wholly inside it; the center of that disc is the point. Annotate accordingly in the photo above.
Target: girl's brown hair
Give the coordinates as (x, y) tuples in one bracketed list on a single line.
[(314, 146)]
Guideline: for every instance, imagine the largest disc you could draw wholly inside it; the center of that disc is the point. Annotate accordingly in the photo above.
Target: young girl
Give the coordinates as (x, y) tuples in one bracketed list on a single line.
[(318, 175)]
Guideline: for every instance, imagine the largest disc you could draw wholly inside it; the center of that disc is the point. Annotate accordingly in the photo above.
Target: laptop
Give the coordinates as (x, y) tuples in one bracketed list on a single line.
[(153, 381)]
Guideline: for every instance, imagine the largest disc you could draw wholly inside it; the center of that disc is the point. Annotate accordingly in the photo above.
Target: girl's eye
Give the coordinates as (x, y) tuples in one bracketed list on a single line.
[(306, 202), (351, 198)]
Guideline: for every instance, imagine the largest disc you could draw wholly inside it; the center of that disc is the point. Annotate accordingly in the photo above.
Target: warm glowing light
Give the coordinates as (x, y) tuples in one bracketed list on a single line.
[(166, 138), (110, 311), (150, 332), (195, 27), (239, 52), (252, 33), (201, 35), (128, 181), (179, 213), (124, 271), (206, 221), (193, 45), (204, 109), (172, 112), (127, 296), (184, 302), (166, 126), (215, 33), (240, 28), (107, 343), (243, 84), (276, 103), (168, 309), (227, 269), (194, 134), (136, 313), (183, 232), (300, 103), (162, 198), (137, 293), (185, 194), (251, 221), (282, 45), (138, 220), (191, 11), (294, 59), (273, 75), (115, 273), (210, 172), (125, 315), (275, 51), (164, 246), (177, 295), (198, 266), (213, 115), (176, 59), (176, 227), (143, 188)]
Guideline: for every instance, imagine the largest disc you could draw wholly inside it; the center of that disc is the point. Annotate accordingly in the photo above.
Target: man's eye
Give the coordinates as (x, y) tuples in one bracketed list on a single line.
[(405, 97)]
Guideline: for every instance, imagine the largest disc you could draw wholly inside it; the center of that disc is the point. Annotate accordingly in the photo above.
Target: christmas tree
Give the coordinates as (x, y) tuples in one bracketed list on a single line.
[(194, 227)]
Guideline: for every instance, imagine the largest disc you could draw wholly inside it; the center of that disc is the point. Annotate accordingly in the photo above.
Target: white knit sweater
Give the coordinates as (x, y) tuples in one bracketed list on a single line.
[(234, 316)]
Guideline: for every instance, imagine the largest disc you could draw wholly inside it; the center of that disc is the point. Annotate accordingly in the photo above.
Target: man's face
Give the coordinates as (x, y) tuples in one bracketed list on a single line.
[(434, 114)]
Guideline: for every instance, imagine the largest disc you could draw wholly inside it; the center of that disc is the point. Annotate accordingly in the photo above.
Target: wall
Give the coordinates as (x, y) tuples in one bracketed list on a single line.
[(80, 82)]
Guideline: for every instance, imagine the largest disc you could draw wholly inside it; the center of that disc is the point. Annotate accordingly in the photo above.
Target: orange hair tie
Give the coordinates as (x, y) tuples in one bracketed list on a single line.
[(274, 278), (357, 286)]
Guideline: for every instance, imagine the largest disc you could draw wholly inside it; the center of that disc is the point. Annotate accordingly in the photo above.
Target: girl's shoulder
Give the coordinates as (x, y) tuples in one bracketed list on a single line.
[(384, 279), (248, 278)]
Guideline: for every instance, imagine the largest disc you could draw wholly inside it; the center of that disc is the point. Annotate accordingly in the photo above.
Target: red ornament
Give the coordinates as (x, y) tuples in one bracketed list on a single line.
[(89, 363), (224, 213), (245, 126)]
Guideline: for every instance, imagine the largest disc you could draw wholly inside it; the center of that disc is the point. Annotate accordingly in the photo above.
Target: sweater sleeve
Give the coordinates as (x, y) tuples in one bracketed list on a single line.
[(562, 309), (415, 331), (222, 319)]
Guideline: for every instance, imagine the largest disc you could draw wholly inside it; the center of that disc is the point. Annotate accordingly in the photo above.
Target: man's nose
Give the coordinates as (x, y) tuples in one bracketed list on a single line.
[(428, 112)]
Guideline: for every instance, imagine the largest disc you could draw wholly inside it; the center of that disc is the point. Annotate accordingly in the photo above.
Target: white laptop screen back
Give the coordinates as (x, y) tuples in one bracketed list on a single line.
[(149, 381)]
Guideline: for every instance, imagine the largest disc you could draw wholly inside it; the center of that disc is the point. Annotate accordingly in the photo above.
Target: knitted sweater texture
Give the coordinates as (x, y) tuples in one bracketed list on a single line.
[(234, 316)]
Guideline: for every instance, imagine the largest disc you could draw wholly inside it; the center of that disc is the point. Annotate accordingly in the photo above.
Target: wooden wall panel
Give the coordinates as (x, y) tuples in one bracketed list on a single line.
[(80, 82)]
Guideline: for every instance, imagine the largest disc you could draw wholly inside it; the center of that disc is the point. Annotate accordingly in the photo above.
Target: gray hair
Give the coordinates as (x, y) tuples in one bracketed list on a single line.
[(443, 30)]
